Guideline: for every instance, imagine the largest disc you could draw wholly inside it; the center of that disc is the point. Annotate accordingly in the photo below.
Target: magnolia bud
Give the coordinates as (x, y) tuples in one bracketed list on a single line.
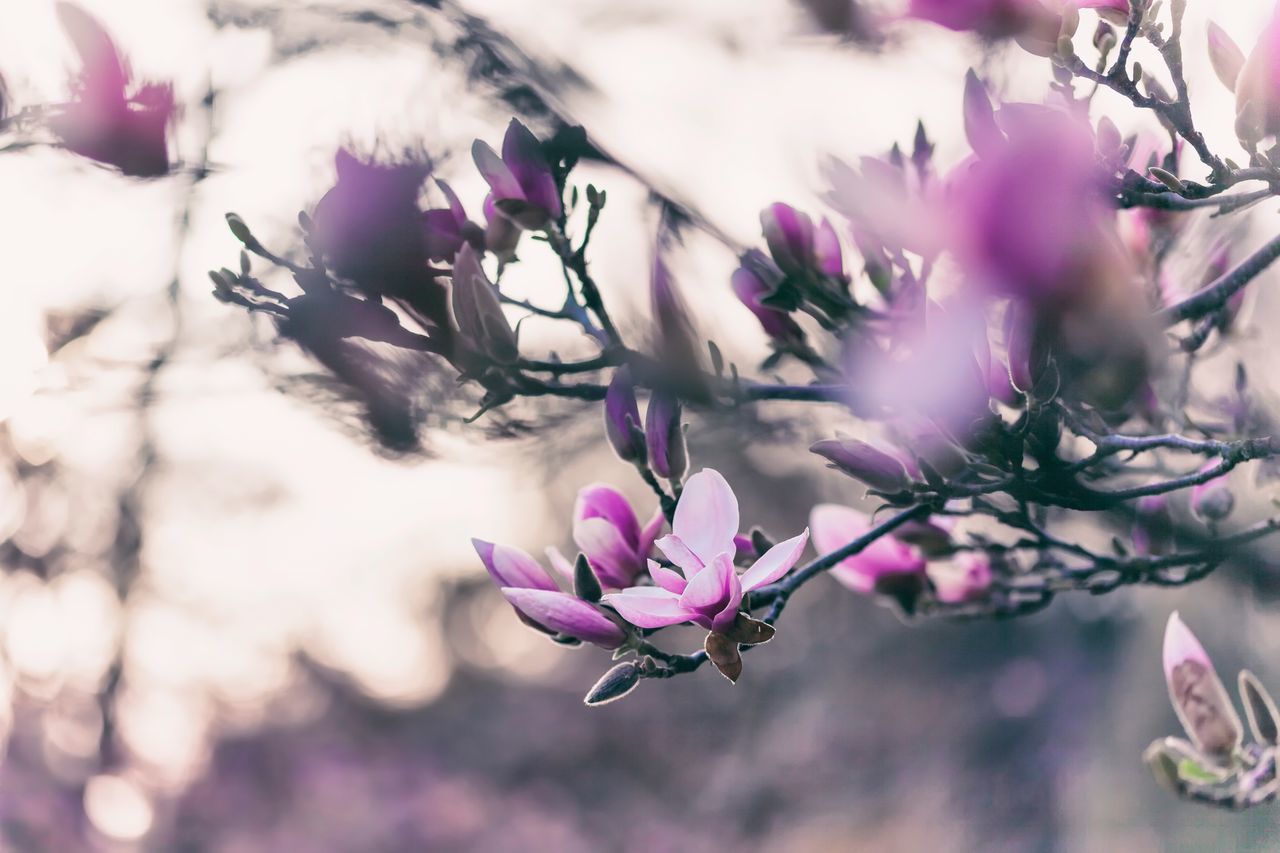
[(622, 418), (1197, 694), (614, 684), (664, 437), (1212, 500), (861, 461)]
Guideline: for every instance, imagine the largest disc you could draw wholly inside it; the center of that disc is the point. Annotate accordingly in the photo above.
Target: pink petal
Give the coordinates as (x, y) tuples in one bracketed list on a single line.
[(649, 608), (709, 588), (604, 546), (495, 172), (669, 580), (706, 518), (512, 567), (726, 617), (650, 532), (1181, 645), (558, 562), (567, 614), (775, 563), (677, 552), (601, 501)]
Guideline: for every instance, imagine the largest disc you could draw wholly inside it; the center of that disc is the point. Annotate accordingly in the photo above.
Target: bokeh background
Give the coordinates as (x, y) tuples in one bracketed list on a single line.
[(231, 621)]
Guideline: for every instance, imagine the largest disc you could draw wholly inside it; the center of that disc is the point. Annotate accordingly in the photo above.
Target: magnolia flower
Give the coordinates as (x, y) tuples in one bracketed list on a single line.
[(1197, 694), (885, 562), (756, 279), (532, 592), (501, 235), (797, 248), (524, 189), (368, 226), (606, 529), (105, 121), (1258, 88), (706, 590), (622, 418), (447, 228)]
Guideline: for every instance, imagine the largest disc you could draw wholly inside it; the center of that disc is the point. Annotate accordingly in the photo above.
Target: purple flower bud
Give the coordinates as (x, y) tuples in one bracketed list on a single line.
[(1212, 500), (1197, 694), (789, 234), (622, 418), (752, 283), (1152, 526), (664, 434), (524, 189), (864, 462), (478, 312), (614, 684), (511, 567), (568, 615)]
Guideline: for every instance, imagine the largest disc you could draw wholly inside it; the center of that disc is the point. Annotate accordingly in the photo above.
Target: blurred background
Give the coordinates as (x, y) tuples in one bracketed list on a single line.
[(231, 619)]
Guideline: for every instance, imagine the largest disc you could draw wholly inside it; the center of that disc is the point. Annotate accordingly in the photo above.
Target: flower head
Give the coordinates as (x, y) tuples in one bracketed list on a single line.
[(622, 418), (664, 436), (607, 530), (863, 462), (105, 120), (706, 590), (755, 280), (524, 189)]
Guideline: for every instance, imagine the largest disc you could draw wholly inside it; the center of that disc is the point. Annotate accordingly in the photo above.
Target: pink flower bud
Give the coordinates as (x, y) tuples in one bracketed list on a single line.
[(1197, 694), (864, 462), (755, 280), (622, 418), (789, 234), (524, 189), (835, 526), (965, 578), (567, 614)]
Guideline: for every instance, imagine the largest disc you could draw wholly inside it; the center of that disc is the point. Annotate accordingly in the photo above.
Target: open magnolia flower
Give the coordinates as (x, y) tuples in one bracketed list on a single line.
[(707, 590)]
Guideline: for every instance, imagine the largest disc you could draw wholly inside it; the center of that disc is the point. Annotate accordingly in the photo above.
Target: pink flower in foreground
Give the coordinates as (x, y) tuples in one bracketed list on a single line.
[(524, 188), (104, 121), (1197, 694), (607, 530), (539, 602), (707, 590), (886, 559)]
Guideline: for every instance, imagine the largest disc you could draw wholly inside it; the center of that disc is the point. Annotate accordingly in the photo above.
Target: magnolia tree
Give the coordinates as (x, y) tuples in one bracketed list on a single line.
[(1015, 340)]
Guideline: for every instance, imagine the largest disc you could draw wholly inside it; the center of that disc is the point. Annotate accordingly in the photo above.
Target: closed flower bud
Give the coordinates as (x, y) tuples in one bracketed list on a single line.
[(568, 615), (861, 461), (789, 234), (1213, 500), (622, 418), (752, 283), (478, 312), (614, 684), (664, 436), (1197, 694)]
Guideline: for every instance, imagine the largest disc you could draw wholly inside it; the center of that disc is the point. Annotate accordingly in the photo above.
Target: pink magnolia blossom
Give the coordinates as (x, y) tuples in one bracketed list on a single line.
[(706, 590), (796, 246), (107, 119), (521, 177), (964, 578), (540, 603), (888, 557), (606, 529), (752, 282), (1197, 694), (1258, 87)]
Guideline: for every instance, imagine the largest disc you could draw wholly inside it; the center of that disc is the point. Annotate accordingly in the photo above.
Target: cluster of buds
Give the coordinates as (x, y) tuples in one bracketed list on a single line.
[(1215, 765)]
